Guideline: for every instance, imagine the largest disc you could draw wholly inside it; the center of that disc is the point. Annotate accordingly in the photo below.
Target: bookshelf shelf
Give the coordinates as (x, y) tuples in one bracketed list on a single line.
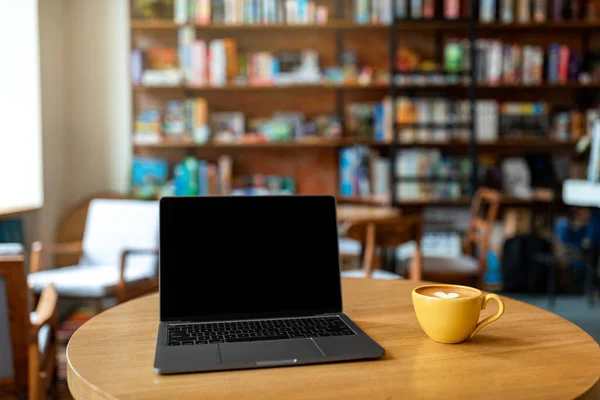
[(383, 200), (266, 145), (505, 146), (372, 86), (304, 86), (403, 25)]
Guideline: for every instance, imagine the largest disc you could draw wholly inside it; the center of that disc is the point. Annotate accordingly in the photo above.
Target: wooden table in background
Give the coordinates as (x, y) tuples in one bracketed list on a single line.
[(350, 214), (528, 353)]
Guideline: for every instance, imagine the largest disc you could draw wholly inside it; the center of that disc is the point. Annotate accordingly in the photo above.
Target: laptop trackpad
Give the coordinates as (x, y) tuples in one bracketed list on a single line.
[(270, 353)]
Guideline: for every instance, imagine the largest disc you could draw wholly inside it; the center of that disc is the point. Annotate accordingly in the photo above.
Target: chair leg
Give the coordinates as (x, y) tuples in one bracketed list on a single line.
[(98, 307), (588, 283), (552, 286)]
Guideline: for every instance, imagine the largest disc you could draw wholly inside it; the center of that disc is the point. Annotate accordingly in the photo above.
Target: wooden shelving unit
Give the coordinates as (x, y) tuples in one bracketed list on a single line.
[(308, 159), (498, 147), (423, 25)]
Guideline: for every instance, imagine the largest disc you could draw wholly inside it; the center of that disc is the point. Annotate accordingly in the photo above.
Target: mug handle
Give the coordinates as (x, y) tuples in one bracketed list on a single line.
[(491, 318)]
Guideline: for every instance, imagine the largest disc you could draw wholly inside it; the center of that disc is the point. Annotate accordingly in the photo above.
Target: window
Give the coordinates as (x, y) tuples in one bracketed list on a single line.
[(21, 180)]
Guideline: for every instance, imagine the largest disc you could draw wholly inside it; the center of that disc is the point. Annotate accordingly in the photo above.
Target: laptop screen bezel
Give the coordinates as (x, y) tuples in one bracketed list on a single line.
[(258, 315)]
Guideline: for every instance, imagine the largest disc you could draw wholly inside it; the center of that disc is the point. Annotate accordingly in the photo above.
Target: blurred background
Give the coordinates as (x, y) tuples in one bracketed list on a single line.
[(479, 116)]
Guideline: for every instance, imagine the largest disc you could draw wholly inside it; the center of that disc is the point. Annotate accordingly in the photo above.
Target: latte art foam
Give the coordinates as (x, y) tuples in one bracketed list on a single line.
[(447, 292)]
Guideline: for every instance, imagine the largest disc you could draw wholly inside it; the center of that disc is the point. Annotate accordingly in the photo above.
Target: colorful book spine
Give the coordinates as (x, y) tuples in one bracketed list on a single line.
[(346, 172), (451, 9), (507, 66), (524, 11), (487, 11), (527, 77), (553, 61), (386, 12), (302, 11), (186, 35), (199, 63), (361, 11), (180, 12), (401, 9), (557, 10), (136, 66), (203, 12), (217, 63), (540, 10), (416, 9), (538, 65), (563, 64), (495, 63), (218, 11), (507, 11), (428, 9)]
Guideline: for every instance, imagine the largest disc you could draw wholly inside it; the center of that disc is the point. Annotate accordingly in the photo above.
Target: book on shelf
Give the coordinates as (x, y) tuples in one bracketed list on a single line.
[(487, 10), (363, 172), (160, 67), (196, 119), (428, 9), (452, 9), (237, 12), (524, 64), (148, 176), (196, 177), (507, 11), (536, 11), (524, 119), (425, 174), (174, 123), (148, 127), (145, 9), (264, 185), (227, 126), (573, 124)]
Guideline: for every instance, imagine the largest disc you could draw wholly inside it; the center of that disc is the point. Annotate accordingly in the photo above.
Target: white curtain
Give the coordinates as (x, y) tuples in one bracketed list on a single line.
[(21, 180)]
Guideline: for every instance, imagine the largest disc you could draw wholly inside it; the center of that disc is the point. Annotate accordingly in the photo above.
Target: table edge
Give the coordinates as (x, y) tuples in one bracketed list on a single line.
[(82, 388)]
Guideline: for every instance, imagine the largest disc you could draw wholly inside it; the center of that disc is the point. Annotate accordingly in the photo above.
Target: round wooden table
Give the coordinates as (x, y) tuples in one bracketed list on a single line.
[(528, 353), (349, 213)]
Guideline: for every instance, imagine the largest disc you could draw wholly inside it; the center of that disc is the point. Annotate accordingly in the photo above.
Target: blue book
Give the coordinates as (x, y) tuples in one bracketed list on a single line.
[(203, 184), (378, 123), (302, 11), (361, 12), (553, 60), (148, 176), (346, 173), (186, 177), (274, 67), (416, 9)]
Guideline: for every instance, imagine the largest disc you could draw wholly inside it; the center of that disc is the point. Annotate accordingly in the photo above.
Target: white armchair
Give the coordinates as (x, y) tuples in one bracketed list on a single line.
[(119, 253)]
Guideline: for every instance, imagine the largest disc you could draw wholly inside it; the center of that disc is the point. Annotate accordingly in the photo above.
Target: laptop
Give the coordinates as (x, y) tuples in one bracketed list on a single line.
[(251, 282)]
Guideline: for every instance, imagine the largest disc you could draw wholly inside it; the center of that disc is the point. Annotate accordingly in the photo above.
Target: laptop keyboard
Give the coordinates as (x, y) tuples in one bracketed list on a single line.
[(249, 331)]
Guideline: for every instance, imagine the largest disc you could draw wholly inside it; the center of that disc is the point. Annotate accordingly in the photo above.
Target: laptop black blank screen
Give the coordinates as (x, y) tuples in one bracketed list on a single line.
[(248, 257)]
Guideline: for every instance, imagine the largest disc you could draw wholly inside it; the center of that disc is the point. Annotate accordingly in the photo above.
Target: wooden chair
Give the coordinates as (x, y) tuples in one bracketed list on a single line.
[(27, 340), (470, 268), (386, 234), (118, 255)]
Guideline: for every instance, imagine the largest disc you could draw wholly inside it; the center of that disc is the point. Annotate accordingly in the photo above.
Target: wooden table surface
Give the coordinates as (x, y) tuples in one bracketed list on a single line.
[(350, 213), (528, 353)]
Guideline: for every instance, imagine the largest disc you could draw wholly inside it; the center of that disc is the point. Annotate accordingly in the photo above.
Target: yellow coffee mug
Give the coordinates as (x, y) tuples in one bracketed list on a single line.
[(452, 320)]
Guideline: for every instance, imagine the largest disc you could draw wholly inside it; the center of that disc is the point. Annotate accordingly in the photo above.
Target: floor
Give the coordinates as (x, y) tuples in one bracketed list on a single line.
[(571, 307)]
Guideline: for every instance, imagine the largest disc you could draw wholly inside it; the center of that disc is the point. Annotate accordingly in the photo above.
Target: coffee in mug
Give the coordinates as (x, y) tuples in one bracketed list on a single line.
[(446, 292), (450, 313)]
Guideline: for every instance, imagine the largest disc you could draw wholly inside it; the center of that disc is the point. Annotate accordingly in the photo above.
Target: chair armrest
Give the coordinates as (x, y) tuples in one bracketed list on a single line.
[(122, 294), (38, 249), (45, 311), (128, 252)]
